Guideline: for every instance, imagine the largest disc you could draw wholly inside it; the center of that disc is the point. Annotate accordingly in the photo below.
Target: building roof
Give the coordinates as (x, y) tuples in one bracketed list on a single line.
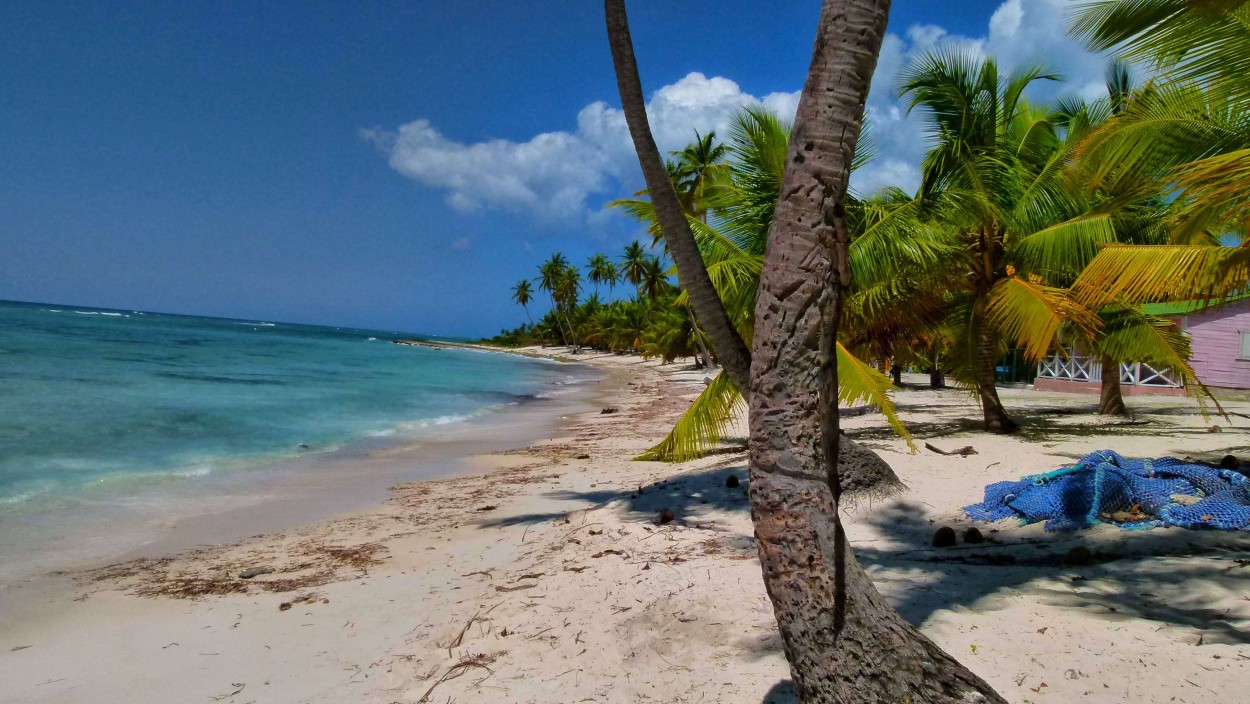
[(1187, 307)]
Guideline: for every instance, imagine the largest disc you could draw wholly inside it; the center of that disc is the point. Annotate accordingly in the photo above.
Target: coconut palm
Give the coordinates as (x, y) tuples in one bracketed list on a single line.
[(633, 265), (843, 640), (993, 194), (568, 286), (822, 599), (602, 270), (553, 278), (1140, 217), (654, 278), (522, 293), (696, 168)]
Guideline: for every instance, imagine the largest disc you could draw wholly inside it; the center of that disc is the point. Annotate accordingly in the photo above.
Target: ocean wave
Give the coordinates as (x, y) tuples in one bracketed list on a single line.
[(199, 470), (215, 379), (99, 312), (440, 420)]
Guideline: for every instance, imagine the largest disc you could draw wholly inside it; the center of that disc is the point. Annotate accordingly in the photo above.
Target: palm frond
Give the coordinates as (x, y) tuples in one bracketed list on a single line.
[(1143, 273), (858, 382), (1207, 41), (1062, 250), (891, 237), (1030, 314), (702, 425), (1162, 127), (1219, 184)]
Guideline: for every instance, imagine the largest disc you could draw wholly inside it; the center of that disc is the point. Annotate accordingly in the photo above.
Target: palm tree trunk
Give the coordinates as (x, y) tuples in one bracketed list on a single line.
[(574, 342), (691, 272), (698, 338), (1111, 398), (937, 380), (996, 419), (896, 372), (562, 323), (843, 640)]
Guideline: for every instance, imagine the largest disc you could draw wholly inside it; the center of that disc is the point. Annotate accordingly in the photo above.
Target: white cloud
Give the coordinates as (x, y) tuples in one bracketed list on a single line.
[(563, 176), (461, 244), (553, 175)]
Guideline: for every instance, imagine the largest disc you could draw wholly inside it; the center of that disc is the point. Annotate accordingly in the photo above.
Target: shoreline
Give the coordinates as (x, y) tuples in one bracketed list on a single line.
[(548, 578), (285, 492)]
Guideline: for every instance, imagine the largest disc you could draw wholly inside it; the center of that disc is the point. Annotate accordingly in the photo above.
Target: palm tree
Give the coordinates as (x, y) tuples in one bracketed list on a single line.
[(633, 265), (568, 286), (552, 278), (731, 350), (822, 599), (697, 166), (523, 294), (1140, 216), (602, 270), (993, 195), (743, 204), (654, 278)]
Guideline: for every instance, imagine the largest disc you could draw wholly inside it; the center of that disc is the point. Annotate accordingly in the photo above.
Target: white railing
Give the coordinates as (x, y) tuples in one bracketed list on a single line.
[(1142, 374), (1070, 368), (1075, 367)]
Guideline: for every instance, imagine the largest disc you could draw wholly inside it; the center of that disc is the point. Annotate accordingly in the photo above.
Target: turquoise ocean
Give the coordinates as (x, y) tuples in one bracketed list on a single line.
[(103, 408)]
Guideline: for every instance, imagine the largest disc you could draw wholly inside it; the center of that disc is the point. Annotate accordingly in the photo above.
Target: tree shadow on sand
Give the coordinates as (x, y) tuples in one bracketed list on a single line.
[(1039, 425), (781, 693), (688, 496), (1124, 580), (927, 580)]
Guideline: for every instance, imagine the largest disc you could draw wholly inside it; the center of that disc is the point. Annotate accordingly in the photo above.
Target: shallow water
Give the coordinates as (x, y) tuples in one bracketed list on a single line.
[(111, 415)]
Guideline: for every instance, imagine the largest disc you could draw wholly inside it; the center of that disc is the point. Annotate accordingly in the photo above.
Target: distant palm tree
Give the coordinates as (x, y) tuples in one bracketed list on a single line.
[(633, 264), (568, 286), (551, 278), (698, 166), (602, 271), (522, 293), (654, 278)]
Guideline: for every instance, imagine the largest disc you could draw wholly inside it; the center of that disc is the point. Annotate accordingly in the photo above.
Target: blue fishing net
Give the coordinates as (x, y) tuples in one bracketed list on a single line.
[(1136, 494)]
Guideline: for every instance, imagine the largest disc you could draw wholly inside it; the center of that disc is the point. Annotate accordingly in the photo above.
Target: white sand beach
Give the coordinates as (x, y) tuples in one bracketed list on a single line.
[(545, 577)]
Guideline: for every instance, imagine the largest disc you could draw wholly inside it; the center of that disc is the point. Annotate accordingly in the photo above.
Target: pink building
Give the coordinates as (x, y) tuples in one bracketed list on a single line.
[(1220, 339)]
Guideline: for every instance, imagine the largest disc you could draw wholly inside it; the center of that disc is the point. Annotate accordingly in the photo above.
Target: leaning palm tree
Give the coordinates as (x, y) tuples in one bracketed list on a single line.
[(522, 293)]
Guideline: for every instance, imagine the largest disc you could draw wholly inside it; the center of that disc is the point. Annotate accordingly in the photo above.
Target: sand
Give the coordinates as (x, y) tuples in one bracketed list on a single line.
[(545, 578)]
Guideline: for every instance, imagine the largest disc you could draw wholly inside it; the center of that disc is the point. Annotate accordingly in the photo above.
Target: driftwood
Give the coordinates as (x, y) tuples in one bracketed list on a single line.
[(962, 452)]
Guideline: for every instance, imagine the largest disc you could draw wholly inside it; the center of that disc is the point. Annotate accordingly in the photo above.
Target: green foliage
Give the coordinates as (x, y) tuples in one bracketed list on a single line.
[(702, 426), (1043, 224)]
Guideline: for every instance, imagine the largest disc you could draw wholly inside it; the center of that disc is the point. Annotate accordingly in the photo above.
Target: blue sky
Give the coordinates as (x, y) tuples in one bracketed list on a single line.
[(389, 165)]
